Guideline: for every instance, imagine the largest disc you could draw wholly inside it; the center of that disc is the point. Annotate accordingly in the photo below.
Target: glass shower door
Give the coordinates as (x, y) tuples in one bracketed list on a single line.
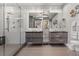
[(22, 18), (12, 28), (2, 37)]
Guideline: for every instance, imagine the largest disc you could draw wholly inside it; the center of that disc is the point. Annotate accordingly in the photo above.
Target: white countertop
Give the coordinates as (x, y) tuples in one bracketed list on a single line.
[(38, 30), (33, 30)]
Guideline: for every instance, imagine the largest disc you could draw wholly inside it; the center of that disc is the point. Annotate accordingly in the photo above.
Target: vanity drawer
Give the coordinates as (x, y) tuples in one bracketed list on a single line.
[(58, 37), (58, 40), (28, 34), (58, 34), (34, 34), (37, 34), (37, 40), (34, 39), (28, 39)]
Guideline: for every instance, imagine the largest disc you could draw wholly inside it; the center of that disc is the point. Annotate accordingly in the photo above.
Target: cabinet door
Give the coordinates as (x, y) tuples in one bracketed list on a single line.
[(58, 34)]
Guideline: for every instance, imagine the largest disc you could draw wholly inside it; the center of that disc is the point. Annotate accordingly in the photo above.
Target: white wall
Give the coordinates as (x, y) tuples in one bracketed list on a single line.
[(59, 18), (66, 15)]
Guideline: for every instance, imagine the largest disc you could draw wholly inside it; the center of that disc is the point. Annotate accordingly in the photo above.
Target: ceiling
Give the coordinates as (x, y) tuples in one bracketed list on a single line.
[(38, 15), (42, 5), (37, 5)]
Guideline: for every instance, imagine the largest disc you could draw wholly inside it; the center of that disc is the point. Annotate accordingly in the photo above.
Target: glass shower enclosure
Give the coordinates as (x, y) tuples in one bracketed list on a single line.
[(11, 32)]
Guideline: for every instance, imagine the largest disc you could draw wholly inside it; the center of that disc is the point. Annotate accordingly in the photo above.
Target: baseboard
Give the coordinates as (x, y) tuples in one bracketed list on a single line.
[(45, 43)]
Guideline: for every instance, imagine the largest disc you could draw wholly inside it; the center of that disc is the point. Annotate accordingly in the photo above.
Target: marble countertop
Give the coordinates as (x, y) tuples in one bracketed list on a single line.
[(40, 30), (33, 30)]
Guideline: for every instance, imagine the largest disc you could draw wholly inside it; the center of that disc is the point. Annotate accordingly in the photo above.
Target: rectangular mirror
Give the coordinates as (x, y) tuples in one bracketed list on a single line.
[(35, 20)]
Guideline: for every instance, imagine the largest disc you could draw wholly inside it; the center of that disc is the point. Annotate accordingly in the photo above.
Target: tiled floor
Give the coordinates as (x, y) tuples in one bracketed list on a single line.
[(46, 50), (10, 49), (1, 50)]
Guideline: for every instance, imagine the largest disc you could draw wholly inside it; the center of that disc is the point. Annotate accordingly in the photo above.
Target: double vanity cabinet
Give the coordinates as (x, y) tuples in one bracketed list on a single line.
[(34, 37), (54, 37)]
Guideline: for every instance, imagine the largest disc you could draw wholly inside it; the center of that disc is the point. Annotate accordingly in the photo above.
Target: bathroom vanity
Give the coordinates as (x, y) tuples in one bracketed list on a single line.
[(34, 37), (46, 28), (58, 37)]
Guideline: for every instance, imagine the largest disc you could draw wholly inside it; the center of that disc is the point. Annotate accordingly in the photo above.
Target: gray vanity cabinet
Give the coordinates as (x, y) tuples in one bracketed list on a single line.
[(34, 37), (54, 37), (58, 37)]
